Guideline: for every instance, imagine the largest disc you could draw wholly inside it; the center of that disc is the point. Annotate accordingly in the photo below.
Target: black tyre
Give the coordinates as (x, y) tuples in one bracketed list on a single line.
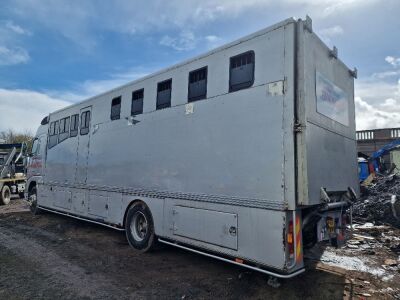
[(139, 227), (21, 195), (32, 199), (5, 195)]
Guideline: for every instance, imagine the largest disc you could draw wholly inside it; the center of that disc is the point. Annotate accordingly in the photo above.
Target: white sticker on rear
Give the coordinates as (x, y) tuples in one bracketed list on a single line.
[(189, 108), (276, 88)]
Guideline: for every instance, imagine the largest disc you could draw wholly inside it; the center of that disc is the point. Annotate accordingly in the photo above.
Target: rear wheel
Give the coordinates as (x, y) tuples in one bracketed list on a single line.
[(5, 195), (32, 198), (139, 227)]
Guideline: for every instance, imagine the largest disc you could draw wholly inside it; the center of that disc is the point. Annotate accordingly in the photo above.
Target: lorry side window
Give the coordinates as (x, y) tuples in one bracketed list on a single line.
[(53, 134), (116, 108), (197, 89), (137, 102), (74, 125), (85, 122), (64, 129), (164, 94), (241, 71)]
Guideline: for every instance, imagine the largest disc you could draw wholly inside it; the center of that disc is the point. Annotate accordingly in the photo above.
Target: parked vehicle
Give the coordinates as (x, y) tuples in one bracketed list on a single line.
[(12, 171), (245, 154), (376, 162)]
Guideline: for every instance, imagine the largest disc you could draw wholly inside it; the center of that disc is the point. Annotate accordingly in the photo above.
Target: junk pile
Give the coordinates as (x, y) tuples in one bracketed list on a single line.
[(380, 200)]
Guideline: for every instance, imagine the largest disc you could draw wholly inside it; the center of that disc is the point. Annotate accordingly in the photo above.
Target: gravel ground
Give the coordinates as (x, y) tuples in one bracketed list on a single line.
[(54, 257)]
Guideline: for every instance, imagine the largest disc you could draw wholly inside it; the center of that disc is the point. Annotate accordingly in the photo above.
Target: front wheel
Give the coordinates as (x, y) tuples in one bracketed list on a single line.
[(139, 227), (32, 198), (5, 196)]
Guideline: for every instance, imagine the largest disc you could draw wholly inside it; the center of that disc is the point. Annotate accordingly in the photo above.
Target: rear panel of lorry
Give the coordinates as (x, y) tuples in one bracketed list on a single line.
[(326, 143)]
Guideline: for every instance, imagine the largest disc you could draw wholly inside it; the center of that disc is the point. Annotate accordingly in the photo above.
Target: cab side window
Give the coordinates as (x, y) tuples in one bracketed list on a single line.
[(35, 147)]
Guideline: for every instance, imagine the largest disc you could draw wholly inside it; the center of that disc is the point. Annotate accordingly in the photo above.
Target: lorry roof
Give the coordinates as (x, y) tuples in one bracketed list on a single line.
[(226, 46), (285, 22)]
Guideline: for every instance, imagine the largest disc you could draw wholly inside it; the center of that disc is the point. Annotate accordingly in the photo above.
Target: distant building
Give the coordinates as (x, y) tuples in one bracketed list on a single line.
[(369, 141)]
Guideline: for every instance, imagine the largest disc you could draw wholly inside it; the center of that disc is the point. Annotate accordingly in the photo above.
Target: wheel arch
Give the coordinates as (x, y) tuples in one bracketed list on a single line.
[(31, 185), (155, 206), (132, 203)]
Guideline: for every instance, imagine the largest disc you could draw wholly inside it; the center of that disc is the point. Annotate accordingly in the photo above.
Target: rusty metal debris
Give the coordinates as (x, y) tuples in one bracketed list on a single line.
[(379, 202)]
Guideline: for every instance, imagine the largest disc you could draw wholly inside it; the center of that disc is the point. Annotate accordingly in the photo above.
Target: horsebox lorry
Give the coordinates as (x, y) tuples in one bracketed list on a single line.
[(246, 154)]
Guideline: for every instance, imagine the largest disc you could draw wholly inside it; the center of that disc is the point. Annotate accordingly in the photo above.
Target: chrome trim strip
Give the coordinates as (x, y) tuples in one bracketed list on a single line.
[(234, 262)]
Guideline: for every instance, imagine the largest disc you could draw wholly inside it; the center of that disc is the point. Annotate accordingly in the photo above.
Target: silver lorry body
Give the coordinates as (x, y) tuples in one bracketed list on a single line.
[(226, 174)]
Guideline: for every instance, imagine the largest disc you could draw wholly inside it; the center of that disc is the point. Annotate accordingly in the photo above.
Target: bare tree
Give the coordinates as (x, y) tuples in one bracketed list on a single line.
[(10, 137)]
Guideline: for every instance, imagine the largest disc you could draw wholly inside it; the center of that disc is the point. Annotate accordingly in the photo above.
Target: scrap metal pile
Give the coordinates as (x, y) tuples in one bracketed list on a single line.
[(380, 201)]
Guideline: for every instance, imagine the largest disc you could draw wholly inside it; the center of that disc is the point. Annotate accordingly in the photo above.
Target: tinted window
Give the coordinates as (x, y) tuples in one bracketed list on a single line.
[(241, 73), (64, 129), (85, 122), (137, 102), (197, 84), (74, 125), (53, 134), (164, 94), (116, 108)]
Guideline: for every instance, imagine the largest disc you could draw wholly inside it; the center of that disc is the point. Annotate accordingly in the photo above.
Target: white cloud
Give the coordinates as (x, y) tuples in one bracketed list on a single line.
[(330, 7), (17, 29), (186, 41), (80, 21), (377, 104), (395, 62), (370, 117), (386, 74), (213, 41), (90, 88), (22, 110), (13, 56), (331, 31)]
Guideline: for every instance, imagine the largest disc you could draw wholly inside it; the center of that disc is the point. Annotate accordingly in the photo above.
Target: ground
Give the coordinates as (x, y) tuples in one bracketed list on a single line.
[(54, 257)]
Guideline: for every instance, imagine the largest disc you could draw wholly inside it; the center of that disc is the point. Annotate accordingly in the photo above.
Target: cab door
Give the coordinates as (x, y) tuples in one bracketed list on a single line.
[(36, 161), (82, 151)]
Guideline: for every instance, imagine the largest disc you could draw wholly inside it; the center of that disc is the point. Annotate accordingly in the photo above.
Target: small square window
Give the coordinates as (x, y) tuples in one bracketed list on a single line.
[(64, 129), (197, 89), (116, 108), (241, 73), (85, 122), (137, 102), (53, 134), (74, 125), (164, 94)]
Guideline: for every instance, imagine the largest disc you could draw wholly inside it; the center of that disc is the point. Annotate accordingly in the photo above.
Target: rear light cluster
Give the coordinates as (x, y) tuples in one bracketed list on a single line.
[(290, 240)]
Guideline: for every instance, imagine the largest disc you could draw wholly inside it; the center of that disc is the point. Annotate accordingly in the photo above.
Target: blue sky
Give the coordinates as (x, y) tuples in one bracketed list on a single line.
[(53, 53)]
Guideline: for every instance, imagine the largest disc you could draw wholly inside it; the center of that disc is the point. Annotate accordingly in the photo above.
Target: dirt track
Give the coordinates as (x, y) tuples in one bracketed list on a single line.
[(54, 257)]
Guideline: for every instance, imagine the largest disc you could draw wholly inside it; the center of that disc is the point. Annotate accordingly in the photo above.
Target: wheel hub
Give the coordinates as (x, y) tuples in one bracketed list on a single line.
[(139, 226)]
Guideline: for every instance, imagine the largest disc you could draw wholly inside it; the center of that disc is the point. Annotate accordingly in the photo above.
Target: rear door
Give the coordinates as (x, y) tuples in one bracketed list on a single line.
[(326, 139), (82, 151)]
